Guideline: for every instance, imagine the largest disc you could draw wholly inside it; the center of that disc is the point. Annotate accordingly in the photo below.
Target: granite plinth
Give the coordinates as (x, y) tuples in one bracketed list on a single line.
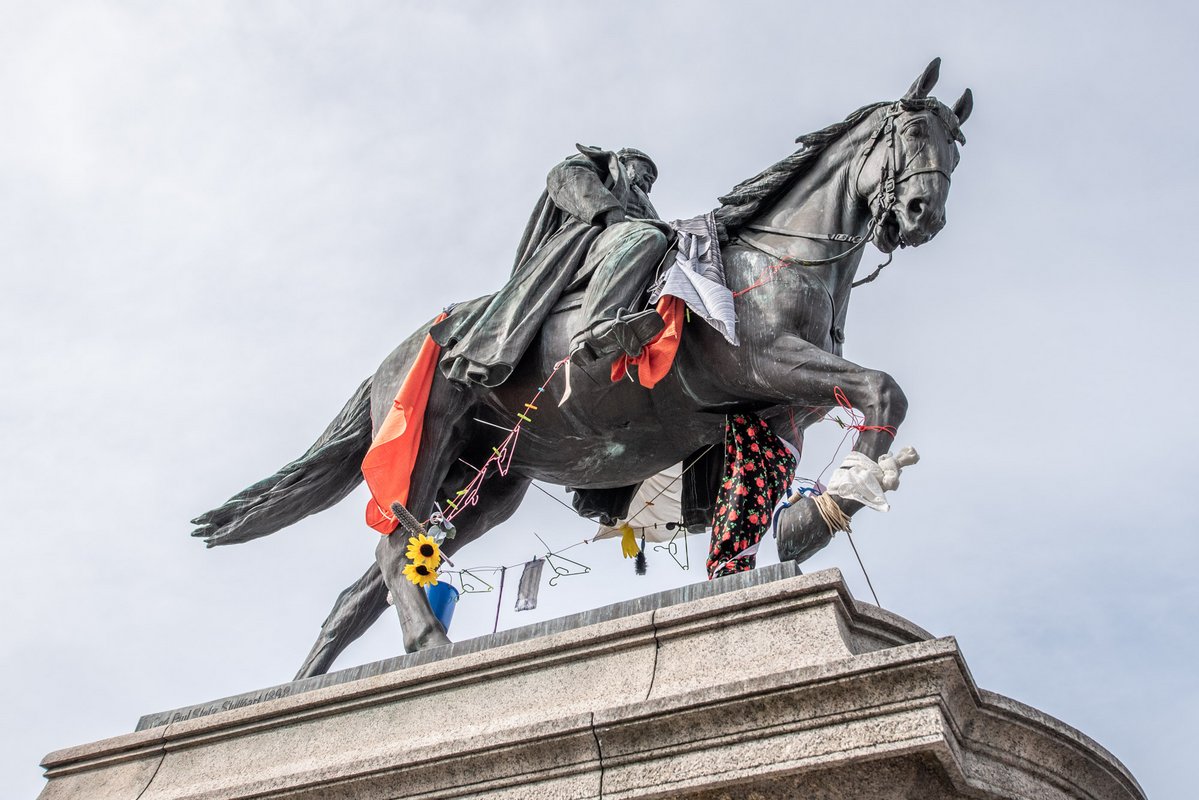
[(767, 684)]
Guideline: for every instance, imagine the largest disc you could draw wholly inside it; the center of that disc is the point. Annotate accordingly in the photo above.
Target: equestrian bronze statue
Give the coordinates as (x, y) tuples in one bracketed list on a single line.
[(791, 240)]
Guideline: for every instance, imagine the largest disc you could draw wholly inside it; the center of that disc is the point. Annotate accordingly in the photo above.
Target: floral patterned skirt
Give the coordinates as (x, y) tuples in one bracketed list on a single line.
[(758, 469)]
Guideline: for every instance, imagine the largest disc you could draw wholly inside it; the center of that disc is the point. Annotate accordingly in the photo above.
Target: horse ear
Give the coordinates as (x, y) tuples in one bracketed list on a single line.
[(963, 107), (925, 83)]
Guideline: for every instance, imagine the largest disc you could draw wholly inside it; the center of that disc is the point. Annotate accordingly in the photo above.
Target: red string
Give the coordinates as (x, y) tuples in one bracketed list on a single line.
[(856, 418), (766, 277)]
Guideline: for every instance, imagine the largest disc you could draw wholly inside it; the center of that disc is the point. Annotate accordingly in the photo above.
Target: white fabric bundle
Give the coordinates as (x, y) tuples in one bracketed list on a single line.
[(859, 478)]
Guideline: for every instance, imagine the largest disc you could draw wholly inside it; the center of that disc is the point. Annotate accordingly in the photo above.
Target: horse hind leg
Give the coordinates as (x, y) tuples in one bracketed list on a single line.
[(354, 611), (362, 603), (447, 434), (502, 495)]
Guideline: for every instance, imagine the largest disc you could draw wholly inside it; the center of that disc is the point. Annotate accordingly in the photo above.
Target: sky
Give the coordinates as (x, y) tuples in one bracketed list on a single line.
[(216, 218)]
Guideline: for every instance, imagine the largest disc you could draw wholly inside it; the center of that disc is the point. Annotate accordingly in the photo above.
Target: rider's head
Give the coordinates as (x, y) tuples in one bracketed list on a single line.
[(640, 168)]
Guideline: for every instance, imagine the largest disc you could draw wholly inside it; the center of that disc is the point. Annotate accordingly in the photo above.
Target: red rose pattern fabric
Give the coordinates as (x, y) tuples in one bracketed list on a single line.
[(758, 468)]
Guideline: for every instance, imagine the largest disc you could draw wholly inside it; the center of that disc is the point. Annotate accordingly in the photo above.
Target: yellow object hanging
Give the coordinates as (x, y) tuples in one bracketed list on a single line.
[(423, 549), (628, 541), (421, 574)]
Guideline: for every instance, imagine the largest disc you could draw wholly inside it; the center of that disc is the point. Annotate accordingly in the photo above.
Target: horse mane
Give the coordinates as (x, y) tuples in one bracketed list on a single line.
[(750, 197)]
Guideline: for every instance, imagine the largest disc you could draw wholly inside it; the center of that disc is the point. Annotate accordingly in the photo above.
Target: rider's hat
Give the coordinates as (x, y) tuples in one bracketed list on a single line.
[(629, 153)]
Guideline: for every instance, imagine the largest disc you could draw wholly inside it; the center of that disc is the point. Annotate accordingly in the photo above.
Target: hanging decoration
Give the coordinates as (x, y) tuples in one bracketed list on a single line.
[(472, 583), (530, 583), (628, 541), (387, 466), (758, 469), (501, 454), (423, 549), (443, 599), (557, 563), (421, 574), (672, 547), (860, 478)]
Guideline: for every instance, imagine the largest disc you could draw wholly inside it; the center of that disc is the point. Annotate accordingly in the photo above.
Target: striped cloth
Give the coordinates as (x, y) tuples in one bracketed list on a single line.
[(697, 275)]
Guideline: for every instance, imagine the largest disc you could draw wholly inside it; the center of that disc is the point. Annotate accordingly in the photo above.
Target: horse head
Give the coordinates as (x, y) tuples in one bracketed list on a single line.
[(903, 172)]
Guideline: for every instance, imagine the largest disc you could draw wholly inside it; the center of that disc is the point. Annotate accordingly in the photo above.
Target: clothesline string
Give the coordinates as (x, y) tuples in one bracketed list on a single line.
[(502, 456), (590, 541), (679, 477), (517, 564), (557, 500)]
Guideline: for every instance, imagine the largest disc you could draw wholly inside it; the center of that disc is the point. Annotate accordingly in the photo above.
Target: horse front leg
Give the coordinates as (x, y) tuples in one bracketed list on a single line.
[(801, 374)]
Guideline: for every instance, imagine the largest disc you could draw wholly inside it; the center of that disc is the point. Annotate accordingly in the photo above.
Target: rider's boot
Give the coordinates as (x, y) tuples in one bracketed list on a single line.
[(621, 264), (628, 333)]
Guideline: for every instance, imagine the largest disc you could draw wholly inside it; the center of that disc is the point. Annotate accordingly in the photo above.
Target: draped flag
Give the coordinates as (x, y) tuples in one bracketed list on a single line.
[(388, 464)]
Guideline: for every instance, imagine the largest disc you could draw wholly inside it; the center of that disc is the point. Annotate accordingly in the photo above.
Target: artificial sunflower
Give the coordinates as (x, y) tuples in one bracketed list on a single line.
[(423, 549), (421, 574)]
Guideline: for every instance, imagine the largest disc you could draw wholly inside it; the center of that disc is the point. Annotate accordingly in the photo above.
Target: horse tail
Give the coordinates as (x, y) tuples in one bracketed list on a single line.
[(325, 474)]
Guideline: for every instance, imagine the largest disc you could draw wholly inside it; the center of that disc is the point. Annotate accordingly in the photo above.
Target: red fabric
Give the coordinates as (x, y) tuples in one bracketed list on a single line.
[(656, 358), (388, 464)]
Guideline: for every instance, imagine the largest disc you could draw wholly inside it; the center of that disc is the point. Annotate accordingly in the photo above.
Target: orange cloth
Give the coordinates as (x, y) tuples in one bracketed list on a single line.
[(656, 358), (388, 464)]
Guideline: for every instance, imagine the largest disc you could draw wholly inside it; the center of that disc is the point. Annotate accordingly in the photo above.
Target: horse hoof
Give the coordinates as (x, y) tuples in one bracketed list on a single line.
[(801, 531), (426, 640)]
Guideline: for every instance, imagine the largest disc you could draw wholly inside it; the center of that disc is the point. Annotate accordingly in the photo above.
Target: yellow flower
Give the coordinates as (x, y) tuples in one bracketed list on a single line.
[(423, 550), (421, 574)]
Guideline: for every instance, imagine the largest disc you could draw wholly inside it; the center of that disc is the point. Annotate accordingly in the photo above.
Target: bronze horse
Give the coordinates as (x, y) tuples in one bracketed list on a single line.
[(795, 235)]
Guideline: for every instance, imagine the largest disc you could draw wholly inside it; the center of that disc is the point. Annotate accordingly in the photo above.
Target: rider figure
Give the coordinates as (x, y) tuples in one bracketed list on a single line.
[(620, 264), (594, 226)]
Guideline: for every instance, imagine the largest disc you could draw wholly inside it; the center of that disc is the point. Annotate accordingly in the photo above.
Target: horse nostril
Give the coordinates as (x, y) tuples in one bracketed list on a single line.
[(916, 207)]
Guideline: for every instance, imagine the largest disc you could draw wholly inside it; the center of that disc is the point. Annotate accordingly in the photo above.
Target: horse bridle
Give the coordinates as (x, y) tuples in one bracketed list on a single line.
[(892, 176)]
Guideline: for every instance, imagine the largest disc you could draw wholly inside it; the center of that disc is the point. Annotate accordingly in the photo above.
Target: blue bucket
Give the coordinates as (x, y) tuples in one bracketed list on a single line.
[(442, 599)]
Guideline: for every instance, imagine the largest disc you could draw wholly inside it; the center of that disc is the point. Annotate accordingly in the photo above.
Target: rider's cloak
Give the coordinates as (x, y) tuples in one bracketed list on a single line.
[(482, 340)]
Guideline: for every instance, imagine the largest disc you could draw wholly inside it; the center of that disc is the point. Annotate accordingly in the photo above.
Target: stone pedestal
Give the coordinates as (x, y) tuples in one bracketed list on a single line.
[(767, 684)]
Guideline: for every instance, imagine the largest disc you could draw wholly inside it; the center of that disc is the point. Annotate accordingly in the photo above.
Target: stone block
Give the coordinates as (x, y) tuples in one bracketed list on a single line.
[(766, 684)]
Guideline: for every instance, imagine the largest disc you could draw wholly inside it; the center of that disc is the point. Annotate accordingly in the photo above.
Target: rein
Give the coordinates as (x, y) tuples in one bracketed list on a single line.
[(858, 242), (788, 261)]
